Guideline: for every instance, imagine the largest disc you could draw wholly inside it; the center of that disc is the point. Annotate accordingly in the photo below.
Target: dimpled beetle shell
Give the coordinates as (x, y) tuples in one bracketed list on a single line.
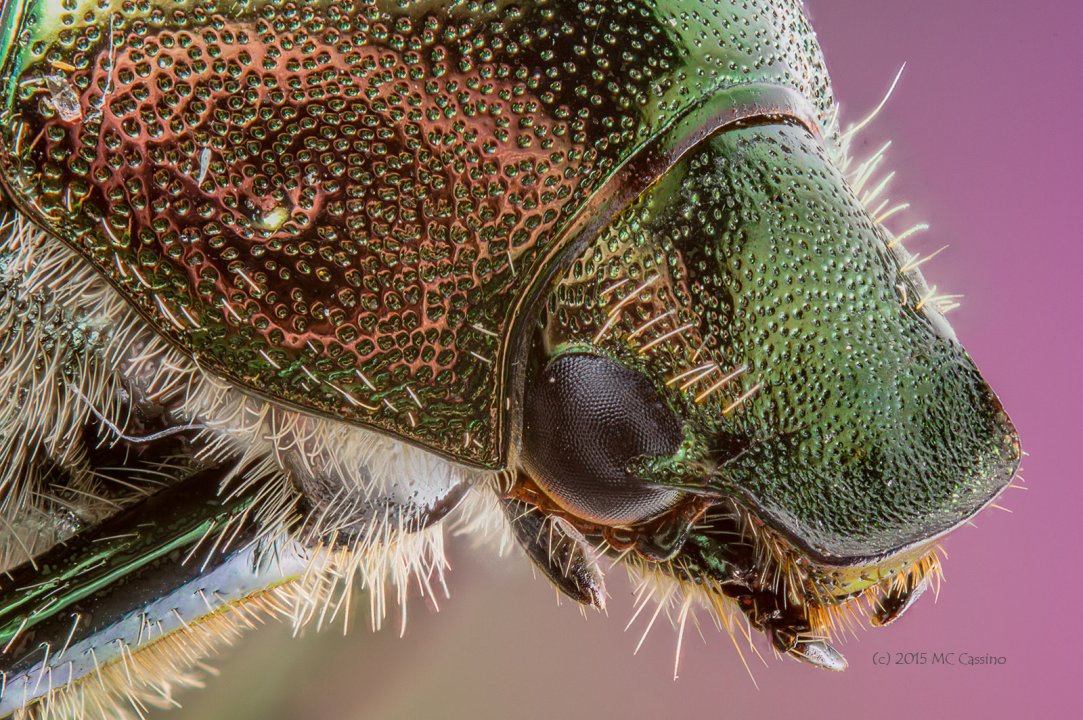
[(350, 207), (285, 284)]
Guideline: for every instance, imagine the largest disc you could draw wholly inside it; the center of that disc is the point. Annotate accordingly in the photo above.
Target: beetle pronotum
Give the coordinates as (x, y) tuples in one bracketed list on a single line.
[(282, 285)]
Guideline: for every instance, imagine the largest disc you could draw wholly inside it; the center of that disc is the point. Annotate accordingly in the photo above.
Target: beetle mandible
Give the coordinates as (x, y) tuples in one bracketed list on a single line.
[(283, 285)]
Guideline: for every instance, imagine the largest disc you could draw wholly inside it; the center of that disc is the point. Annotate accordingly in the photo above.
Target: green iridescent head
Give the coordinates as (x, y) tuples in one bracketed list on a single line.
[(743, 372), (603, 246)]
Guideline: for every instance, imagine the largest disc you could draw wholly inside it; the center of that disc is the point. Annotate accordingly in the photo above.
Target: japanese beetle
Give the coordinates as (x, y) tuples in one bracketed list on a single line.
[(283, 284)]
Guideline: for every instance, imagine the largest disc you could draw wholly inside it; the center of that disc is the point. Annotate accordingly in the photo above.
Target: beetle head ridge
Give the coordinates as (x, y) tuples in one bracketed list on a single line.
[(620, 318), (340, 488)]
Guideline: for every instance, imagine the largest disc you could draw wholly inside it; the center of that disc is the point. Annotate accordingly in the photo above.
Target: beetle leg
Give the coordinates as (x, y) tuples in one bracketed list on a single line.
[(341, 513), (898, 600), (154, 571), (560, 551)]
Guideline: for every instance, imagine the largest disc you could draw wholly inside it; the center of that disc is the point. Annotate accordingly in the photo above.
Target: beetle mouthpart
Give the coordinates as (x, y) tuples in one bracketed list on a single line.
[(791, 626), (800, 603), (816, 653), (560, 551), (898, 600)]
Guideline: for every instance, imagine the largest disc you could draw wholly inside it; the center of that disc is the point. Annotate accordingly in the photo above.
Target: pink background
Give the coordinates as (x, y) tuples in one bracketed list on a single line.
[(985, 136)]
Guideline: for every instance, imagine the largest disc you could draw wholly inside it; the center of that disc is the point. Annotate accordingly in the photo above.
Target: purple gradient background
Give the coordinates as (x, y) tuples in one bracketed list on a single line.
[(985, 136)]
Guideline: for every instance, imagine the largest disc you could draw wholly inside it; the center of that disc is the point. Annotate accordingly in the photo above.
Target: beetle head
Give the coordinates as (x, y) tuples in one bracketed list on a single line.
[(743, 384)]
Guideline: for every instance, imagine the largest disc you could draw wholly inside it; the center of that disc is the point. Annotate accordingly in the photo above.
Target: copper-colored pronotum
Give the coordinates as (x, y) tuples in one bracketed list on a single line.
[(284, 284)]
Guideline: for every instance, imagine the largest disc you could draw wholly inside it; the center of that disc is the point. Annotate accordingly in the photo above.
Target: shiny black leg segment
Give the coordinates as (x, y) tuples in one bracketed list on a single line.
[(112, 570)]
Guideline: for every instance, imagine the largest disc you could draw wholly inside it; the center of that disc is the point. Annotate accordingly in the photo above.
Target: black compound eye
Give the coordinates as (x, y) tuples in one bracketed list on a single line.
[(587, 420)]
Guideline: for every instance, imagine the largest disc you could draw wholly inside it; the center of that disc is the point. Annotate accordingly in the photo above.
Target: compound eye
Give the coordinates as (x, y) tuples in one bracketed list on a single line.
[(587, 420)]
